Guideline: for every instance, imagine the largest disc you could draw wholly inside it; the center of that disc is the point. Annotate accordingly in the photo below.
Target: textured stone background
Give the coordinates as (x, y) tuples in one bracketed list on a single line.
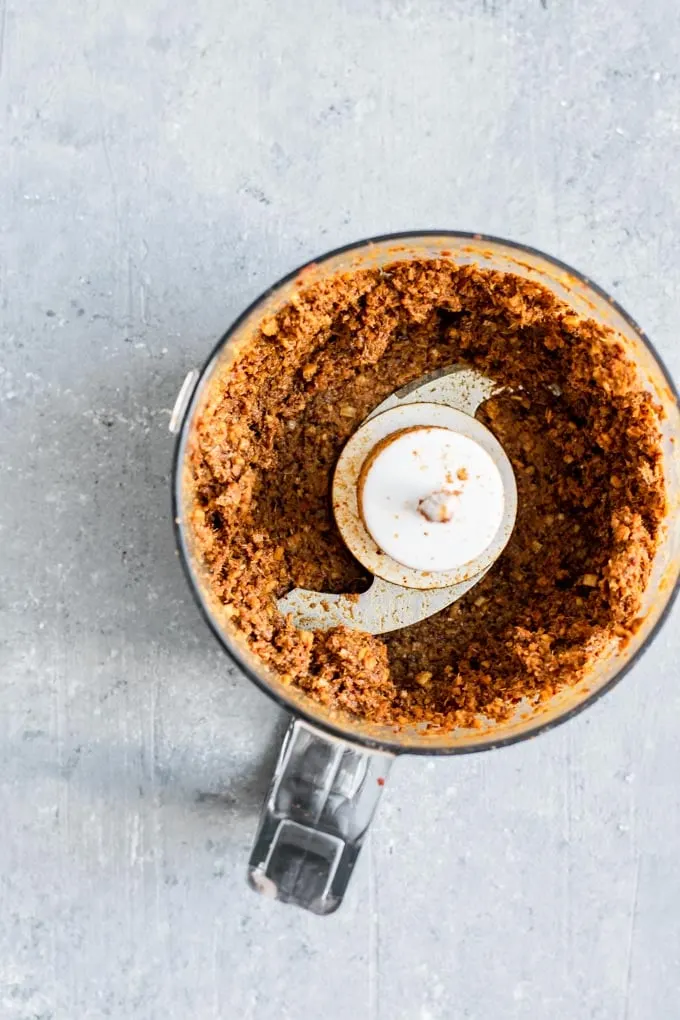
[(163, 162)]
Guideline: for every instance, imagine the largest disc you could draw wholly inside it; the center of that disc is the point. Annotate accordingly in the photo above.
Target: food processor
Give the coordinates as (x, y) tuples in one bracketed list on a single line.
[(428, 530)]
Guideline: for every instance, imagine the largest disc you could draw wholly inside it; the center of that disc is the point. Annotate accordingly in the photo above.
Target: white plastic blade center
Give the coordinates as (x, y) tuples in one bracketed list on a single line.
[(432, 499)]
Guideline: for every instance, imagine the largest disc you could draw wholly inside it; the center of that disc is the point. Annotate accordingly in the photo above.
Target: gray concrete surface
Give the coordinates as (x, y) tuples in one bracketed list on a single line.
[(163, 162)]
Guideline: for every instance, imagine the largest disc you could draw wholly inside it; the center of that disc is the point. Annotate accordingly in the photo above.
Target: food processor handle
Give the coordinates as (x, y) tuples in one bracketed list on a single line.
[(322, 798)]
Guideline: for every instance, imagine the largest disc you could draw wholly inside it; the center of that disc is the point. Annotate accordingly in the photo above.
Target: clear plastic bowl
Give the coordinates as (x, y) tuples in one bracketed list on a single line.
[(586, 298), (332, 767)]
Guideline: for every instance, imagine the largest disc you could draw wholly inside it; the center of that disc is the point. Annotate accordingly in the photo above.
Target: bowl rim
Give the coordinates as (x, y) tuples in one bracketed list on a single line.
[(326, 726)]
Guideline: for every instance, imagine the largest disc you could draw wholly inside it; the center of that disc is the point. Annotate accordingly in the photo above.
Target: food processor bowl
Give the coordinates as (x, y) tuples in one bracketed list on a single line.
[(333, 766)]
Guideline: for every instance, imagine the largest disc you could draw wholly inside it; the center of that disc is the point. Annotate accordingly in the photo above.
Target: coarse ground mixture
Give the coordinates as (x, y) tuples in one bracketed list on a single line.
[(583, 439)]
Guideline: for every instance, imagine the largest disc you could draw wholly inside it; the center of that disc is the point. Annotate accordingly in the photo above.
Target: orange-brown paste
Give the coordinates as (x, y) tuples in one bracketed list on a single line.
[(583, 439)]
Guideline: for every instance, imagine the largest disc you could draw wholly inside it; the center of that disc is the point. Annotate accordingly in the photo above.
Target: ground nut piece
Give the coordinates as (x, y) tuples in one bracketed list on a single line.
[(583, 440), (269, 327)]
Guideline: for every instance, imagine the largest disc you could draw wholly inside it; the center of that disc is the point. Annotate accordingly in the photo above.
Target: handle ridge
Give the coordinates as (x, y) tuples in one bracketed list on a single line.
[(321, 800)]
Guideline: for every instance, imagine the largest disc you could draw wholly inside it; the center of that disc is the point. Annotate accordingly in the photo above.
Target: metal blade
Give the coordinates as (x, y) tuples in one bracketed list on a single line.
[(457, 386), (386, 606)]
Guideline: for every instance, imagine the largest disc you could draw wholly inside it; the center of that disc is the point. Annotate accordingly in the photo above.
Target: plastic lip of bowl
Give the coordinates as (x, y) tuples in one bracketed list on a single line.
[(320, 723)]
